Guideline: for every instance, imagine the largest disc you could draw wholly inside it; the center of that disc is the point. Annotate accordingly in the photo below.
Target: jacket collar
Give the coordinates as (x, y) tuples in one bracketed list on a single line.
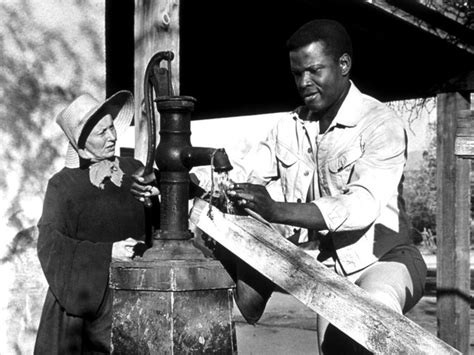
[(349, 114)]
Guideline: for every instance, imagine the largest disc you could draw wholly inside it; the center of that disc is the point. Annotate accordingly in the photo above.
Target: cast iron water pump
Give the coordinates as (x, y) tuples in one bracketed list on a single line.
[(174, 155), (173, 299)]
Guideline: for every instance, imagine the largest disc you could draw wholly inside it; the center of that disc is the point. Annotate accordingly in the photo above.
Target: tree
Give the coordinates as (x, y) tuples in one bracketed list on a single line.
[(51, 52), (420, 190), (420, 182)]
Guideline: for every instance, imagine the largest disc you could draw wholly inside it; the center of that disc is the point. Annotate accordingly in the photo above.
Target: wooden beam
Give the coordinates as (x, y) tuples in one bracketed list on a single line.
[(446, 9), (452, 226), (393, 10), (156, 29), (350, 308)]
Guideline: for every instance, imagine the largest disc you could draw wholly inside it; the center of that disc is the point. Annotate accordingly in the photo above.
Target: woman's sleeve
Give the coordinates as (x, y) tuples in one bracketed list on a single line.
[(77, 271)]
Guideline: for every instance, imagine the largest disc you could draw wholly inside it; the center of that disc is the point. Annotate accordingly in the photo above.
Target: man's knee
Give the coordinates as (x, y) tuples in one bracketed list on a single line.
[(253, 290), (389, 283)]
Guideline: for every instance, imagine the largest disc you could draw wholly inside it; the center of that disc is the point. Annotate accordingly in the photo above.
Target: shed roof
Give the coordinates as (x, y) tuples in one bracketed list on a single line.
[(234, 60)]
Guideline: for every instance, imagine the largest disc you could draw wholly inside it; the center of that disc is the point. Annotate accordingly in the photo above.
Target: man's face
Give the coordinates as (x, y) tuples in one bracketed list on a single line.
[(100, 143), (318, 76)]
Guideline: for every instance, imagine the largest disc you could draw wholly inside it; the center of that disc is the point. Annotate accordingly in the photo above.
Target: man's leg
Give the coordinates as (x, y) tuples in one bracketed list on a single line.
[(396, 280), (252, 289), (252, 292)]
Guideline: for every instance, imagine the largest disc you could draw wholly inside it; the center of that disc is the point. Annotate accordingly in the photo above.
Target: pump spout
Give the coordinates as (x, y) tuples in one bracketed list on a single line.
[(197, 156)]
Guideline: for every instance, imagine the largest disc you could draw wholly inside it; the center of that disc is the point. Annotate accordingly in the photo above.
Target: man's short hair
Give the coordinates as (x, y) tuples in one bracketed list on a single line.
[(330, 32)]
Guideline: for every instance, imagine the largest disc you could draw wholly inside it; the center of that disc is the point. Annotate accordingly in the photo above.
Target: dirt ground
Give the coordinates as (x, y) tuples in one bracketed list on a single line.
[(286, 327), (289, 327)]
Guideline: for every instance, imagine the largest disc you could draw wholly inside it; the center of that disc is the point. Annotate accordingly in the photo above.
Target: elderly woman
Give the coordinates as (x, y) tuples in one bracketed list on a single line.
[(89, 218)]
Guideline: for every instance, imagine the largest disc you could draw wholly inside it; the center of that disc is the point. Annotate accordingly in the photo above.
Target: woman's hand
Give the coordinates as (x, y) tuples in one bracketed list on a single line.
[(255, 198), (144, 186), (124, 249)]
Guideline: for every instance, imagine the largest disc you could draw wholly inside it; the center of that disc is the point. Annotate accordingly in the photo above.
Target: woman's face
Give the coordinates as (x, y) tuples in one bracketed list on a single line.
[(100, 144)]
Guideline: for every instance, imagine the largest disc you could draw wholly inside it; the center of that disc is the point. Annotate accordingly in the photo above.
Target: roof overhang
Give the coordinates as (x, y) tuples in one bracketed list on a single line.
[(234, 61)]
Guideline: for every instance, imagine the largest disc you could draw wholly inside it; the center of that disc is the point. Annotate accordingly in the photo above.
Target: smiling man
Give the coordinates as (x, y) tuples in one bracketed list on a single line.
[(340, 160)]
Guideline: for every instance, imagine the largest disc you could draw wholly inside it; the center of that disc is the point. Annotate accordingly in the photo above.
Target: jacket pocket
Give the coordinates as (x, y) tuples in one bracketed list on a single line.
[(285, 156), (340, 168), (288, 167)]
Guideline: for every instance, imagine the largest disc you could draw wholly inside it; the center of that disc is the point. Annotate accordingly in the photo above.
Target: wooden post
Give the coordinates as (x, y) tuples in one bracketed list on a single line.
[(453, 224), (156, 29), (350, 308)]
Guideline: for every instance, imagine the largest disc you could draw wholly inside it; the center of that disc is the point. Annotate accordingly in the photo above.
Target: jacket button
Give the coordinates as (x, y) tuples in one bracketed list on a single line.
[(298, 200), (310, 150), (306, 173)]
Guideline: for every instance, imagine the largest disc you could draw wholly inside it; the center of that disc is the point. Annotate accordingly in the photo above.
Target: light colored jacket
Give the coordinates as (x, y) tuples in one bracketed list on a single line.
[(355, 173)]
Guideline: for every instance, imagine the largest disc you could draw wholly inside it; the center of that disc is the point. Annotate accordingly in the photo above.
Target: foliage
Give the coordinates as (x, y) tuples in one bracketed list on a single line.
[(420, 188), (420, 179), (51, 52), (411, 110)]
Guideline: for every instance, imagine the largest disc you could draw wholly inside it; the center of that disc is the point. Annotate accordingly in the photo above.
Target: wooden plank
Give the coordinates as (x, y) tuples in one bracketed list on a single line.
[(351, 309), (156, 29), (446, 9), (464, 142), (452, 226), (465, 123), (393, 10), (464, 147)]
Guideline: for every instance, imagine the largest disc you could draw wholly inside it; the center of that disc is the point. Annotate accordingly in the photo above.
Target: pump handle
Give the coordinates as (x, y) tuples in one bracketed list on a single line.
[(159, 79)]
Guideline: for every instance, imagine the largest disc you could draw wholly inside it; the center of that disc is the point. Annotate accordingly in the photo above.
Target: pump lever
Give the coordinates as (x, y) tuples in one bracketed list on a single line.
[(159, 79)]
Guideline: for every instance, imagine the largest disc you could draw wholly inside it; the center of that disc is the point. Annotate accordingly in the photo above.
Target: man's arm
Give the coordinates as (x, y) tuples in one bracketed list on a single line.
[(257, 199), (374, 180)]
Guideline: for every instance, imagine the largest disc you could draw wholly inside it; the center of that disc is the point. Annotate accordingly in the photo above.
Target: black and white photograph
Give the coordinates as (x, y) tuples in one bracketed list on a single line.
[(236, 177)]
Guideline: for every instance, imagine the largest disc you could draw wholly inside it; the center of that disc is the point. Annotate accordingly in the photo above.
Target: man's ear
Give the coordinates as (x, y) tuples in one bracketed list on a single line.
[(345, 63), (84, 154)]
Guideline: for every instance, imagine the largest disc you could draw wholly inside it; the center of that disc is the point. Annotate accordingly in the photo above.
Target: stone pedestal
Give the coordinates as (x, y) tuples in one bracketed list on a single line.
[(172, 301)]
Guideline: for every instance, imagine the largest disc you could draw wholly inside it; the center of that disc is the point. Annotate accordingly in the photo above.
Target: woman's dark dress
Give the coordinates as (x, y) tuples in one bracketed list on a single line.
[(80, 222)]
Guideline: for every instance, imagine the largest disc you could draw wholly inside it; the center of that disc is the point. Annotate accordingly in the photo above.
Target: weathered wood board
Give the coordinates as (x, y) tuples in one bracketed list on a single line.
[(464, 141), (345, 305)]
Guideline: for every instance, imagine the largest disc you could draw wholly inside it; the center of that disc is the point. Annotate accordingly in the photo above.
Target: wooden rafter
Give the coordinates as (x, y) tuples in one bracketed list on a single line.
[(459, 14), (394, 10)]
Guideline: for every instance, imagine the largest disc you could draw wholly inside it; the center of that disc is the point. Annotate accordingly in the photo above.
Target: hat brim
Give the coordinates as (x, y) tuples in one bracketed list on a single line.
[(119, 106)]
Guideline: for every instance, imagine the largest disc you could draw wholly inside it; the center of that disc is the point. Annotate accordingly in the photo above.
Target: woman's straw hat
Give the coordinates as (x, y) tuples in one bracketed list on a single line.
[(86, 111)]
